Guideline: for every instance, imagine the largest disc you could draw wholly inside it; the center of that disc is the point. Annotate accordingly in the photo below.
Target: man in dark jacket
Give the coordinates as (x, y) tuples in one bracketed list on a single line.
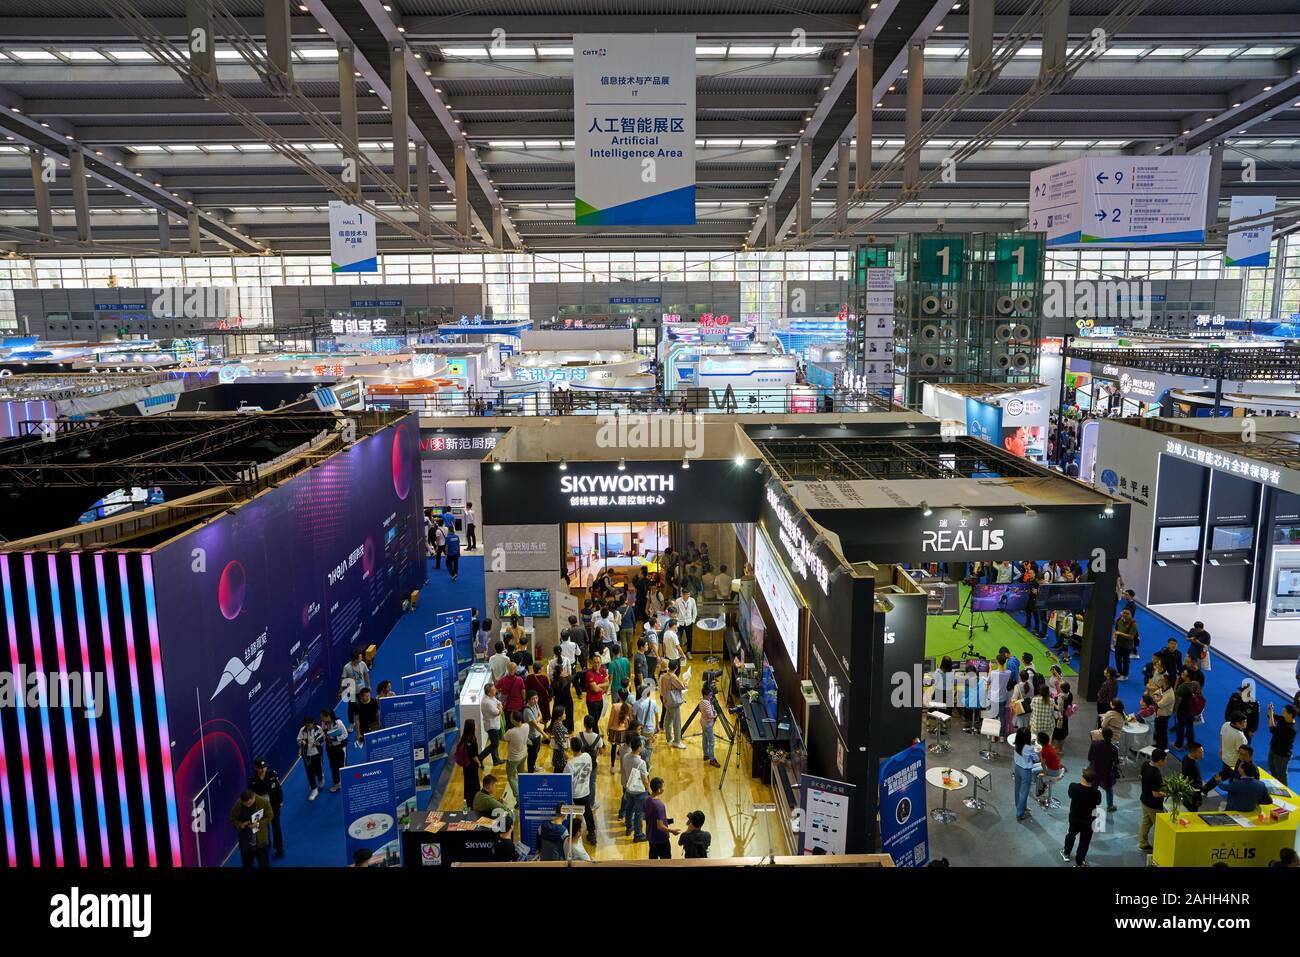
[(251, 817), (1085, 798), (1171, 657), (266, 783)]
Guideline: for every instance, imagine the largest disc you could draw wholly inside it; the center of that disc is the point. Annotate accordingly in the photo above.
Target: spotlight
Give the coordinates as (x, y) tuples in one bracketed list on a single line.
[(686, 463), (496, 466), (1109, 510), (622, 465), (564, 465), (926, 510), (1029, 510), (965, 512), (740, 460)]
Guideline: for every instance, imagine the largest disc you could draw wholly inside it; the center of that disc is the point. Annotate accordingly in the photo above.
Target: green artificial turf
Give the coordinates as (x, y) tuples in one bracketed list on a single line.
[(942, 639)]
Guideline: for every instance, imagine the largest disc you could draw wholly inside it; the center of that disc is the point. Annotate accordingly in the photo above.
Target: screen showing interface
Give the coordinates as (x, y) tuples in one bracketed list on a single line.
[(524, 602), (1179, 538), (1232, 538)]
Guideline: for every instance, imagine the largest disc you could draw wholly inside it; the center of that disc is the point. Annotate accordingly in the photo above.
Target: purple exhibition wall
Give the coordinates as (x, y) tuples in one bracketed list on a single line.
[(256, 627)]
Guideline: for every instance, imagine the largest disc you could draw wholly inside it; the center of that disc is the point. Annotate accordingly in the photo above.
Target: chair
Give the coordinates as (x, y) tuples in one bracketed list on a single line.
[(991, 728), (1046, 800), (1145, 753), (979, 781), (939, 727)]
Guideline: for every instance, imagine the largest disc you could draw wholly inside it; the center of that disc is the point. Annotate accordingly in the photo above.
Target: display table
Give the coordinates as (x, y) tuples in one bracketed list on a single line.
[(444, 847), (708, 636), (956, 781), (1203, 844)]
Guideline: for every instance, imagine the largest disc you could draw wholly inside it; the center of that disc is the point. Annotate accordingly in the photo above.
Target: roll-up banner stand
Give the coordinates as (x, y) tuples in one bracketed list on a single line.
[(398, 744), (538, 795), (430, 683), (369, 819), (411, 709), (443, 660), (823, 814), (904, 833), (462, 618)]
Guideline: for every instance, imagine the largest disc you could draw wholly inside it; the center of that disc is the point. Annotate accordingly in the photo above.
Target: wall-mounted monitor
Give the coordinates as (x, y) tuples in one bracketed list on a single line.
[(1179, 538), (524, 602), (1286, 534), (1232, 538), (1288, 582)]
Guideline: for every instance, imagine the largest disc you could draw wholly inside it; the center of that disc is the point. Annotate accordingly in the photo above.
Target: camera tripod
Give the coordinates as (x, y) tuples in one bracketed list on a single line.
[(968, 609)]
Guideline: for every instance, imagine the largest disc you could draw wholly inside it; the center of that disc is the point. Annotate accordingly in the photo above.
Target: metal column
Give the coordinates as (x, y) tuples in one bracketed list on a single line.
[(80, 194), (913, 118), (866, 103), (401, 134)]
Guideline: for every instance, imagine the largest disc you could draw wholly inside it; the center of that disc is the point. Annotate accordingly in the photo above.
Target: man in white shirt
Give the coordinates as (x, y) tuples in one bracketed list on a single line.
[(569, 651), (579, 768), (687, 615), (722, 584), (1232, 735), (672, 646), (1004, 572), (605, 628), (439, 544), (498, 663)]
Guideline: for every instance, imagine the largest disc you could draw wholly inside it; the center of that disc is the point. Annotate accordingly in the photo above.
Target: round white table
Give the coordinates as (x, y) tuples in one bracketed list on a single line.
[(1136, 735), (956, 782), (1011, 740)]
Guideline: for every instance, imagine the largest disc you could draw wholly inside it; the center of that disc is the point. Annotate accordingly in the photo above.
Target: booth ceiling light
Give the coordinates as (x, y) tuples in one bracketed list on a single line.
[(496, 466), (1029, 509), (965, 512), (564, 465), (686, 463), (622, 465), (740, 460), (1110, 508), (926, 510)]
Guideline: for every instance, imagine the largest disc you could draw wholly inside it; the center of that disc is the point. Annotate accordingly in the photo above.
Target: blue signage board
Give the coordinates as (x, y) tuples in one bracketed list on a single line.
[(120, 307), (398, 744), (538, 795), (442, 659), (411, 709), (430, 683), (369, 802), (984, 422), (463, 619), (904, 834)]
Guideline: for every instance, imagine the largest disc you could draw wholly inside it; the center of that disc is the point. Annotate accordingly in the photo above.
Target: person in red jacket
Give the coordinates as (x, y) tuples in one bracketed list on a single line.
[(510, 689)]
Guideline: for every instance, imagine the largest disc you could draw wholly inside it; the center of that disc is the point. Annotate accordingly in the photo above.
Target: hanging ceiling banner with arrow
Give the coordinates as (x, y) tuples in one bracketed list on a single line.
[(1121, 201)]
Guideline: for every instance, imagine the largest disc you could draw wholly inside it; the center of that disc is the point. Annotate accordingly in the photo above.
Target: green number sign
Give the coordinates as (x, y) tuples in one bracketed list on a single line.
[(942, 258)]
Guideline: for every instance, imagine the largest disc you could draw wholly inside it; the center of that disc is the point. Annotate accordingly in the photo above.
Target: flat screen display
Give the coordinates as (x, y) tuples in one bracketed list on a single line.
[(1232, 538), (798, 752), (524, 602), (1288, 582), (1286, 534), (1179, 538), (1065, 596), (782, 600)]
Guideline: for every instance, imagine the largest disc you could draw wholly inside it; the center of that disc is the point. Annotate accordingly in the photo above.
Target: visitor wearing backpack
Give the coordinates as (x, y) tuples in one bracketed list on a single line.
[(1188, 704)]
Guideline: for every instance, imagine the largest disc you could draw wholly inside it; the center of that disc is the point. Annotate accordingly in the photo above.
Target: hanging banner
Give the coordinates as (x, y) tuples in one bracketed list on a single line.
[(369, 799), (984, 422), (429, 683), (634, 128), (903, 830), (823, 814), (442, 660), (1251, 247), (398, 744), (352, 239), (538, 795), (411, 709), (463, 619), (1121, 201)]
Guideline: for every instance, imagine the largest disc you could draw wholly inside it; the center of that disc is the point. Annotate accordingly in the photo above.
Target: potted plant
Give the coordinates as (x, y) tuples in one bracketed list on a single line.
[(1178, 788)]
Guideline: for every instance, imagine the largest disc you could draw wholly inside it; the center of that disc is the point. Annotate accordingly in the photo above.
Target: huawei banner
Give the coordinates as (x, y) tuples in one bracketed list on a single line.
[(634, 128)]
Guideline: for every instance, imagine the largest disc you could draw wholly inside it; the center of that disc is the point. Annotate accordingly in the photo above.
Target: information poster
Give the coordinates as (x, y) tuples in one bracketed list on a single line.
[(369, 800), (823, 814), (429, 683), (352, 239), (411, 709), (398, 744), (904, 835), (634, 129), (984, 421), (463, 619), (1121, 200), (538, 795), (1251, 247), (442, 660)]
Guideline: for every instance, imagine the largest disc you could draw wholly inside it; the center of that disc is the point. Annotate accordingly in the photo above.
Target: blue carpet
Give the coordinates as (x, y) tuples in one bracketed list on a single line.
[(1225, 677), (313, 830)]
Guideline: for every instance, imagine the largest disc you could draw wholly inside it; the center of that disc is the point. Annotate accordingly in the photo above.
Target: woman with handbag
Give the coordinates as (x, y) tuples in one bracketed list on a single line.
[(1065, 710), (619, 717)]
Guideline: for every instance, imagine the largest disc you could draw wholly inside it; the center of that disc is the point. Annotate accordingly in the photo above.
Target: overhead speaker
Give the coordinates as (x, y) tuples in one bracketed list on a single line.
[(930, 305), (928, 361), (1005, 333), (900, 303), (1025, 304), (929, 332), (948, 363), (1020, 361), (1002, 360), (1022, 332), (1006, 305), (948, 305)]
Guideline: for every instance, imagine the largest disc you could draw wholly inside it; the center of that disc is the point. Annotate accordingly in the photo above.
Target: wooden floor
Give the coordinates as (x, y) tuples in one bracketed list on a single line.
[(689, 785)]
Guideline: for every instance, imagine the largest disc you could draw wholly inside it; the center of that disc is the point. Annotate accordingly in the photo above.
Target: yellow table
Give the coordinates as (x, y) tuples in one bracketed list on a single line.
[(1204, 845)]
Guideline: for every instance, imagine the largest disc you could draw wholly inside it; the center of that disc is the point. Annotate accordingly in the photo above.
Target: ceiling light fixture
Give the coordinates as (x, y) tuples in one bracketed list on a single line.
[(926, 510), (1109, 510), (496, 466), (622, 464), (564, 465)]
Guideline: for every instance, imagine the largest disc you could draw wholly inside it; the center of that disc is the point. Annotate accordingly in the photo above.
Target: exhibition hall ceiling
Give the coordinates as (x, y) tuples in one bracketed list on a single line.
[(500, 77)]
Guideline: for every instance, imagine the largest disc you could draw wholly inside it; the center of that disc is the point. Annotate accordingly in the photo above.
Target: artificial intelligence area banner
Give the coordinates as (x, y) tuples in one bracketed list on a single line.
[(634, 127), (259, 610)]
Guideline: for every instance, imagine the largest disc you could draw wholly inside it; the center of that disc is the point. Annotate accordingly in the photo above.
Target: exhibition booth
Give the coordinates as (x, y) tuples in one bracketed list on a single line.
[(217, 618), (1012, 417), (1215, 536)]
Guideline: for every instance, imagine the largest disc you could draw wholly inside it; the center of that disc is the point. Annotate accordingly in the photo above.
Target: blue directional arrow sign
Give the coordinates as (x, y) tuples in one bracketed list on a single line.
[(1103, 178), (1101, 214)]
